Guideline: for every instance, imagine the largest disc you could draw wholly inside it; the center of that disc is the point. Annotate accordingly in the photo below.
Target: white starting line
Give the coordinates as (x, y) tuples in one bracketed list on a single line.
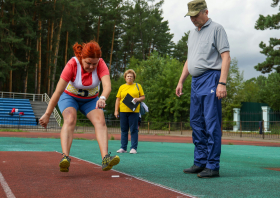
[(159, 185), (6, 187)]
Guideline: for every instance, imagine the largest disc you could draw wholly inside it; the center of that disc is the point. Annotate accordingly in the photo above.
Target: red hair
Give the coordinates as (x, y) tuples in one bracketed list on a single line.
[(87, 50)]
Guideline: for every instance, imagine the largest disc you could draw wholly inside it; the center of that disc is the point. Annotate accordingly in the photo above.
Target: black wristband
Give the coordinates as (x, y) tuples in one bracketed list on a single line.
[(222, 83)]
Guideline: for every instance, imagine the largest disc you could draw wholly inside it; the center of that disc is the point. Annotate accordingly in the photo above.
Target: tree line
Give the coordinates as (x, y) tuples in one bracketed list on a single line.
[(37, 38)]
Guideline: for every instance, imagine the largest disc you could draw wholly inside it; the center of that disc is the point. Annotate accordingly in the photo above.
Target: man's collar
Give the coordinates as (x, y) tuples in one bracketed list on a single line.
[(206, 24)]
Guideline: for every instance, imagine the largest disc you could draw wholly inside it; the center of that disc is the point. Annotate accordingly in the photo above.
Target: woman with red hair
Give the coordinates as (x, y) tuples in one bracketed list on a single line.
[(78, 89)]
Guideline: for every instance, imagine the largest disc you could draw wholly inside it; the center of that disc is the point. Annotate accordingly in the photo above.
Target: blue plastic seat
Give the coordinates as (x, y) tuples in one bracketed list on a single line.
[(23, 105)]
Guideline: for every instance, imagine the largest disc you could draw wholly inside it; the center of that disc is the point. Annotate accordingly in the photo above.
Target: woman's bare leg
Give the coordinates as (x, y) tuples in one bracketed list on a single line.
[(67, 131), (98, 120)]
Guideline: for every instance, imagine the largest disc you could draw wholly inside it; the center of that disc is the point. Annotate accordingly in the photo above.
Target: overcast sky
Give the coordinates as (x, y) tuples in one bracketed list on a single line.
[(238, 17)]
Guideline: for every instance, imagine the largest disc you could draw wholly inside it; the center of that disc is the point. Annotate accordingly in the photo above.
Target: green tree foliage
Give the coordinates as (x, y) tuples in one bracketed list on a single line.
[(132, 34), (144, 31), (272, 61), (251, 91), (159, 76), (15, 27), (270, 91), (160, 37), (235, 84), (263, 90), (110, 102), (37, 37), (181, 48)]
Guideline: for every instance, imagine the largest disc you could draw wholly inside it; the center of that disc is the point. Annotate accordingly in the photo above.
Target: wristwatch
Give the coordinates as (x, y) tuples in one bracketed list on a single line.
[(222, 83), (103, 97)]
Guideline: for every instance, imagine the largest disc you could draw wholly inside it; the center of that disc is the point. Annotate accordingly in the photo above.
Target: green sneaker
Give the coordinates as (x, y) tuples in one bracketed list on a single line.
[(108, 162), (64, 164)]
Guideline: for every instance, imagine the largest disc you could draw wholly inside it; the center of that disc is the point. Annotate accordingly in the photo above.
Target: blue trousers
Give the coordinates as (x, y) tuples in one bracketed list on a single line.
[(129, 121), (205, 120)]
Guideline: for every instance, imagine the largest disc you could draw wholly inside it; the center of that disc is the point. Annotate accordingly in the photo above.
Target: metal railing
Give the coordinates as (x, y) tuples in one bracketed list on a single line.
[(159, 128), (113, 126), (30, 96), (252, 129), (55, 112), (33, 97), (26, 124), (269, 130)]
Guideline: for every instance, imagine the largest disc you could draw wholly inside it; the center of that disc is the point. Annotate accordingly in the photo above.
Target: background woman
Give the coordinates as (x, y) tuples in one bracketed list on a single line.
[(78, 89), (129, 118)]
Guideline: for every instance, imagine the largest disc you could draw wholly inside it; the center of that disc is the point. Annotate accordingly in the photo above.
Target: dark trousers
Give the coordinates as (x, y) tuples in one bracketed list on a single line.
[(129, 121), (205, 120)]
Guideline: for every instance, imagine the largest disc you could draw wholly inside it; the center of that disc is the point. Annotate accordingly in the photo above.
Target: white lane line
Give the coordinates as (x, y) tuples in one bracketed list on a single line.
[(6, 187), (159, 185)]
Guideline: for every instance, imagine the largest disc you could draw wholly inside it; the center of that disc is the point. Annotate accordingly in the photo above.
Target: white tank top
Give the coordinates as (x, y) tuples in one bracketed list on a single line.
[(77, 86)]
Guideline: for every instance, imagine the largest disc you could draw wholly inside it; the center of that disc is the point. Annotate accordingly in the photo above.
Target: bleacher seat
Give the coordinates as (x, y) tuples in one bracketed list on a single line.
[(23, 105)]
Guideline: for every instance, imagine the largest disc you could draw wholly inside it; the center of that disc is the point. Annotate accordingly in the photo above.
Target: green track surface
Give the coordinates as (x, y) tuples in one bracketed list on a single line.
[(243, 172)]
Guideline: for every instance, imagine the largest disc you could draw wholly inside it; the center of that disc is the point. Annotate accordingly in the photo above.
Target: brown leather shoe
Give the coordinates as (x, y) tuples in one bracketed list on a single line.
[(193, 169)]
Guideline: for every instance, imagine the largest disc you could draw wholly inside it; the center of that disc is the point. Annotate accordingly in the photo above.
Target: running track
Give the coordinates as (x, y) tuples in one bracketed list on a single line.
[(35, 174)]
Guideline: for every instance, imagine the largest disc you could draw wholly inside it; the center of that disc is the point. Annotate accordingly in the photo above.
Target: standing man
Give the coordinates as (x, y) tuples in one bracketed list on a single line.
[(208, 62)]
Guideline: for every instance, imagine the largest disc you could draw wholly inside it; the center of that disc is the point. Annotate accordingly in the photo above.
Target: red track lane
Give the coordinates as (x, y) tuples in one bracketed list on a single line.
[(149, 138), (36, 174)]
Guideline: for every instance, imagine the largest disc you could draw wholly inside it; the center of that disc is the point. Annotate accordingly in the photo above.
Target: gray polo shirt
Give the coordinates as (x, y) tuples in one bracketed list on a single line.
[(205, 48)]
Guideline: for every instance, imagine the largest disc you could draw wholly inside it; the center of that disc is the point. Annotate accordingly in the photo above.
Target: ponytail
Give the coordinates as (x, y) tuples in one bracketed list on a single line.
[(78, 51)]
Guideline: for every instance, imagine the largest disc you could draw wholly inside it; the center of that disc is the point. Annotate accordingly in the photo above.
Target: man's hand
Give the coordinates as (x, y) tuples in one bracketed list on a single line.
[(179, 89), (221, 91)]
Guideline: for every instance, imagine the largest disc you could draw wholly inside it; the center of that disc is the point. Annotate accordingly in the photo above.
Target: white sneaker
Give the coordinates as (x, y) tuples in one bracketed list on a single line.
[(121, 151), (133, 151)]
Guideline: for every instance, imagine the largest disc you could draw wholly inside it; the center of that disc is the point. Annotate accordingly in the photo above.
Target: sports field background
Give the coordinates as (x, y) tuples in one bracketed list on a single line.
[(243, 168)]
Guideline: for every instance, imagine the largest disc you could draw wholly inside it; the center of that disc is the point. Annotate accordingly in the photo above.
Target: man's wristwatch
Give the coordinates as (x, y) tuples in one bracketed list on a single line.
[(103, 97), (222, 83)]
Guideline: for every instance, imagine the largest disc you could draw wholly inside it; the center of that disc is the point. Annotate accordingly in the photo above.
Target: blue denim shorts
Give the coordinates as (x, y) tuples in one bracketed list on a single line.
[(84, 105)]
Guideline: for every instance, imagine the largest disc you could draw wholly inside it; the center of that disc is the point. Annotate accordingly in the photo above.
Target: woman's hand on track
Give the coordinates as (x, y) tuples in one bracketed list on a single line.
[(100, 104), (44, 120)]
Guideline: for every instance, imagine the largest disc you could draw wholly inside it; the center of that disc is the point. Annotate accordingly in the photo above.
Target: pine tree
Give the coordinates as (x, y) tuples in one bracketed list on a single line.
[(180, 51), (145, 31), (272, 61), (32, 34), (161, 40), (15, 31)]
